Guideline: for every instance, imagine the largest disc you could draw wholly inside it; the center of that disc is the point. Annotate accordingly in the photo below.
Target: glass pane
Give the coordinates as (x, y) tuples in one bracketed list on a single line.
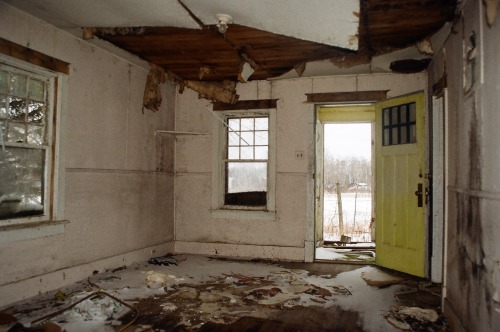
[(3, 107), (36, 134), (247, 138), (17, 109), (261, 138), (261, 124), (261, 152), (17, 132), (246, 152), (246, 177), (413, 133), (36, 90), (394, 114), (3, 131), (234, 124), (247, 124), (404, 139), (21, 188), (36, 112), (3, 81), (386, 116), (413, 112), (402, 113), (233, 139), (18, 85), (386, 136), (395, 138), (233, 153)]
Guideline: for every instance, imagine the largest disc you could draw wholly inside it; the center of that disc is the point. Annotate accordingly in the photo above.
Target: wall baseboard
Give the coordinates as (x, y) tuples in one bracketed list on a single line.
[(277, 253), (20, 290)]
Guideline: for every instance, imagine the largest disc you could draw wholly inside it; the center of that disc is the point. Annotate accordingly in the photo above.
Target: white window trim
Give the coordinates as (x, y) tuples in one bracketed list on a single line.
[(221, 211), (53, 222)]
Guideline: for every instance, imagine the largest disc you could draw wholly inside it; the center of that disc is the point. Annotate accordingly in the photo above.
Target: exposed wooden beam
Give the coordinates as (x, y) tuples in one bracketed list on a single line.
[(334, 97), (34, 57), (246, 105)]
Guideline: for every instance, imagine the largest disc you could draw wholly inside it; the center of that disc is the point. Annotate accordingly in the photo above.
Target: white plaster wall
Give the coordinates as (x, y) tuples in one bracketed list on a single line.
[(472, 279), (115, 200), (287, 236)]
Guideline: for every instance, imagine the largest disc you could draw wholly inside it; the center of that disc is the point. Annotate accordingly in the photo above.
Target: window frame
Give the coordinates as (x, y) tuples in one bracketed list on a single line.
[(51, 174), (219, 208)]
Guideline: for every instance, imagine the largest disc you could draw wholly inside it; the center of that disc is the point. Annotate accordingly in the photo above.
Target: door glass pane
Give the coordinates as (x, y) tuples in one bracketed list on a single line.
[(394, 114), (413, 133), (404, 134), (413, 112), (21, 188), (386, 118), (386, 137), (395, 138), (402, 113)]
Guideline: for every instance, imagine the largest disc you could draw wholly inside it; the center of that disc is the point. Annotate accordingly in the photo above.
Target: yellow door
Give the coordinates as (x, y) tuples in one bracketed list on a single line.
[(400, 184)]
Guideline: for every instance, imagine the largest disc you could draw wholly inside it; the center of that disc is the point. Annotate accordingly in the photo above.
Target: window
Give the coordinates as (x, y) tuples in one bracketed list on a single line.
[(245, 180), (399, 124), (26, 117)]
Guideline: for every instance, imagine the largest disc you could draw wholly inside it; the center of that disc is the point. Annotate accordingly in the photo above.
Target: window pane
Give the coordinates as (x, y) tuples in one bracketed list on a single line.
[(234, 124), (394, 114), (395, 138), (233, 139), (246, 152), (3, 81), (402, 113), (403, 135), (17, 109), (247, 177), (3, 107), (247, 138), (261, 124), (18, 85), (386, 116), (36, 112), (21, 185), (261, 152), (36, 135), (386, 137), (17, 132), (413, 112), (36, 90), (261, 138), (413, 133), (233, 153), (247, 124)]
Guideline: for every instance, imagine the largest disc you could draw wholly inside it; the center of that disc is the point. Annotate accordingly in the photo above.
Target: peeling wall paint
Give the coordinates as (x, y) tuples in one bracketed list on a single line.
[(473, 251), (114, 199)]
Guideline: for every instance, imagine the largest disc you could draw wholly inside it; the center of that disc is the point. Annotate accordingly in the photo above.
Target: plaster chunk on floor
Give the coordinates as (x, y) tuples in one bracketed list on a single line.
[(380, 279)]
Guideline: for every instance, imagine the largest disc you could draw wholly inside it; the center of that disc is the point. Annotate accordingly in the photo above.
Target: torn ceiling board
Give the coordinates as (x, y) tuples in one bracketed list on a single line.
[(109, 13), (333, 23)]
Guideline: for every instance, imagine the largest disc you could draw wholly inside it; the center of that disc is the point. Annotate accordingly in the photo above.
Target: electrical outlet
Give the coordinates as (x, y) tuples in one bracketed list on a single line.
[(299, 155)]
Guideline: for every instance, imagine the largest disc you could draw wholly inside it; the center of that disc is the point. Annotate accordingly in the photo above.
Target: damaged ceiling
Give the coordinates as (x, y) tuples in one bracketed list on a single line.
[(263, 39), (274, 38)]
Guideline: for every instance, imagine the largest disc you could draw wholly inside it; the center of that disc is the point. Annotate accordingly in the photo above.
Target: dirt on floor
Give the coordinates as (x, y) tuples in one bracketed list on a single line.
[(195, 293)]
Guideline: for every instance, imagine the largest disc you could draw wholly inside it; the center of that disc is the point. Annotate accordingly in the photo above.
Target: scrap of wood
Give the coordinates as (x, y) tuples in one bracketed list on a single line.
[(425, 47), (216, 91), (152, 91)]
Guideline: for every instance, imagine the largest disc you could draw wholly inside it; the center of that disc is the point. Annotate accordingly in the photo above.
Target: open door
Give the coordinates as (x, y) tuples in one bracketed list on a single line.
[(400, 184)]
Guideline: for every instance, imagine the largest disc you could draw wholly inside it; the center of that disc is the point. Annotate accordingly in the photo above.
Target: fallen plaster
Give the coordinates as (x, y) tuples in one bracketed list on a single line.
[(152, 91), (204, 294)]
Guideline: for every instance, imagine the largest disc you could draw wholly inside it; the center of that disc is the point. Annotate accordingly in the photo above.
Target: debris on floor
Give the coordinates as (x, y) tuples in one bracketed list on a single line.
[(204, 294), (416, 319)]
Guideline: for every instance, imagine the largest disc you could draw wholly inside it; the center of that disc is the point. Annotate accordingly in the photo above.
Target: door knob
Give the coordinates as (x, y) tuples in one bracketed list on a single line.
[(419, 193)]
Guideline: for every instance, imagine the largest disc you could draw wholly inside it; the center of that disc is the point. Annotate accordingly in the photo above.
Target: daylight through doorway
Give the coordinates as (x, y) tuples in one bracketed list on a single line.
[(347, 196)]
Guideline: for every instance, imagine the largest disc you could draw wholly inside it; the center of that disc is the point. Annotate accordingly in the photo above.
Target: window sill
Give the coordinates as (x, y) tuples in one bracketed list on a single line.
[(243, 214), (11, 233)]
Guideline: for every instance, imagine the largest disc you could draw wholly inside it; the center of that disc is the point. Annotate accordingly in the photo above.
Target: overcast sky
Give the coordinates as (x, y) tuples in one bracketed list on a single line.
[(348, 139)]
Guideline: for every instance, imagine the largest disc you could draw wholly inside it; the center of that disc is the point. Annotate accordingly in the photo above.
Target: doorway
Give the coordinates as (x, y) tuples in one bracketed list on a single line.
[(344, 162)]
